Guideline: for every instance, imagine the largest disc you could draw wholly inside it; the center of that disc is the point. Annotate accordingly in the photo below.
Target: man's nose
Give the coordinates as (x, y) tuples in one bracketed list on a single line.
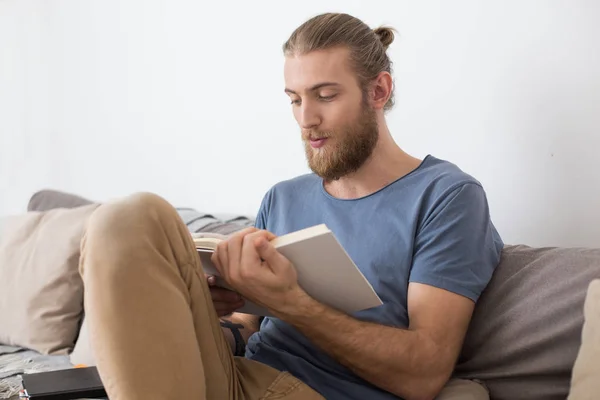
[(309, 118)]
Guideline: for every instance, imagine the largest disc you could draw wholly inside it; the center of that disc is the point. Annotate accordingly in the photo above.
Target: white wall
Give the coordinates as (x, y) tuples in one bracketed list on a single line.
[(185, 99)]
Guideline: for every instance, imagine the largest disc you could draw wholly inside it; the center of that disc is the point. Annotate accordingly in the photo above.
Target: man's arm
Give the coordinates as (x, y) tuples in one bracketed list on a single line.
[(413, 363)]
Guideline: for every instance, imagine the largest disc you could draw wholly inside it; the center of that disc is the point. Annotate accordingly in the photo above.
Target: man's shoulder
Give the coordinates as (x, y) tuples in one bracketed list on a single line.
[(443, 177)]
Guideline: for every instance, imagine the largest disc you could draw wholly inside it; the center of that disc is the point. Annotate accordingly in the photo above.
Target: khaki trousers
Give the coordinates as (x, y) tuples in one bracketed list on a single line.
[(153, 328)]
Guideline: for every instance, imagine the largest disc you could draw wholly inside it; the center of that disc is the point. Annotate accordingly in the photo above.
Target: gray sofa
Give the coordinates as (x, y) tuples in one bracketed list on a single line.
[(525, 334), (524, 337)]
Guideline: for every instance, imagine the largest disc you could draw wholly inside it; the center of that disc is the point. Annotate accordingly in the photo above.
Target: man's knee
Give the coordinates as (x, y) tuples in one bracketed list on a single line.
[(128, 215), (119, 228)]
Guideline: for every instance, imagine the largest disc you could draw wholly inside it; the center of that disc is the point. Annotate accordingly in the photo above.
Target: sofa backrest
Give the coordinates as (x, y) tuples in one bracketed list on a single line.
[(526, 327), (48, 199)]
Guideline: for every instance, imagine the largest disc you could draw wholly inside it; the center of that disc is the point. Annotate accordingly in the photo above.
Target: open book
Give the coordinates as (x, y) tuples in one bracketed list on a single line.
[(325, 271)]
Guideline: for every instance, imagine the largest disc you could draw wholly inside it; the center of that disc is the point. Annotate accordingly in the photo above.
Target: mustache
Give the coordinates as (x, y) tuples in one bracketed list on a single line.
[(311, 134)]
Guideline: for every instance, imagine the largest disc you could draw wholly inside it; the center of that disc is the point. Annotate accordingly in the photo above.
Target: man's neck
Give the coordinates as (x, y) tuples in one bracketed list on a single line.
[(387, 163)]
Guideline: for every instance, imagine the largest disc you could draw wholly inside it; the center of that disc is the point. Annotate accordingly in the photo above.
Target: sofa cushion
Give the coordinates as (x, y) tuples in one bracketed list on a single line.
[(48, 199), (83, 352), (462, 389), (42, 293), (526, 328), (585, 383)]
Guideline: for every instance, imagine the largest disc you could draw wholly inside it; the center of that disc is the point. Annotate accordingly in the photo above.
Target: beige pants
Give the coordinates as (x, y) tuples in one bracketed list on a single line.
[(152, 325)]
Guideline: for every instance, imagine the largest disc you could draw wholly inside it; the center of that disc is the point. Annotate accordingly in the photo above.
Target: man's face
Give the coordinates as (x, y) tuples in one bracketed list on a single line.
[(339, 128)]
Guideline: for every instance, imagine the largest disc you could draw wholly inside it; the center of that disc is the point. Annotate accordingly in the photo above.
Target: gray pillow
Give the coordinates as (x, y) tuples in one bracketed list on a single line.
[(224, 224), (526, 328), (48, 199)]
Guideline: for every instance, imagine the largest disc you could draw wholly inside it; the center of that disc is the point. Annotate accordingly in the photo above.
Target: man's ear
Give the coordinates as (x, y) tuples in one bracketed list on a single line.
[(380, 90)]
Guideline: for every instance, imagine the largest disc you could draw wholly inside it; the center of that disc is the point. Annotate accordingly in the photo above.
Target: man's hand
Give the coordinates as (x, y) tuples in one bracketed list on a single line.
[(256, 270), (225, 301)]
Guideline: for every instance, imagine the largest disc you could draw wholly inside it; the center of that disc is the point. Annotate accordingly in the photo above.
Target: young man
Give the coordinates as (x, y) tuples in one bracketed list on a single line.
[(419, 230)]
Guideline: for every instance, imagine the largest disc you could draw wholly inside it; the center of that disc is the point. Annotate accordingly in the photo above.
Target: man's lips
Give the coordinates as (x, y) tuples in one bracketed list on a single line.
[(316, 143)]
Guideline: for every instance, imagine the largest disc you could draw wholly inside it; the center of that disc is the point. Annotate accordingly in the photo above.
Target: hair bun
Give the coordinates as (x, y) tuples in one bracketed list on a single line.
[(385, 35)]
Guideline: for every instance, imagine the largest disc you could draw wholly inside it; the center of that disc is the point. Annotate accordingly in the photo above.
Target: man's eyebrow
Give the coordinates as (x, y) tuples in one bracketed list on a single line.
[(314, 87)]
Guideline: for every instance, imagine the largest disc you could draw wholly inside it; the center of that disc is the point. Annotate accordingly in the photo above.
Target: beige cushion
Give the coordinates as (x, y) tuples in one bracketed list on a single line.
[(585, 384), (83, 353), (42, 292), (463, 389), (526, 328)]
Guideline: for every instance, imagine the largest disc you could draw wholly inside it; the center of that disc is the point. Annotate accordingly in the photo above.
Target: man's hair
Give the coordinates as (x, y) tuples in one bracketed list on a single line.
[(367, 46)]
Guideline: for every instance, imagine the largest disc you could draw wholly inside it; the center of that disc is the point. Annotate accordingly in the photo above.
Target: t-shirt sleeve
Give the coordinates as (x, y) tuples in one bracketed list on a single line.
[(457, 247), (263, 211)]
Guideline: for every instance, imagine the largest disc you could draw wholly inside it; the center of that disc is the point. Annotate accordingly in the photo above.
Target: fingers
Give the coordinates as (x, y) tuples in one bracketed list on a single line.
[(224, 295), (235, 250), (252, 259), (232, 247), (225, 301), (249, 251), (229, 253), (268, 253), (220, 258), (223, 309), (212, 281)]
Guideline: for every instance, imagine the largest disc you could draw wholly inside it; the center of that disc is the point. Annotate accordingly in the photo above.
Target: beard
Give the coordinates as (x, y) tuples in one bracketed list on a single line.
[(353, 145)]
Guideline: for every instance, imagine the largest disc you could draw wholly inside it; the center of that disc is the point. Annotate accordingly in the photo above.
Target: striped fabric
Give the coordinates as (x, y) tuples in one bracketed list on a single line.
[(224, 224)]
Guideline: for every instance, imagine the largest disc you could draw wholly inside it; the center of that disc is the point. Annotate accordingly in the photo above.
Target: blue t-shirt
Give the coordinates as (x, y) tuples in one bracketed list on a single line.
[(431, 226)]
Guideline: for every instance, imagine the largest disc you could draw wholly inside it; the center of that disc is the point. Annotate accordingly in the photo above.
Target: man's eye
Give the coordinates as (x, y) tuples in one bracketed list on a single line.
[(327, 98), (296, 102)]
